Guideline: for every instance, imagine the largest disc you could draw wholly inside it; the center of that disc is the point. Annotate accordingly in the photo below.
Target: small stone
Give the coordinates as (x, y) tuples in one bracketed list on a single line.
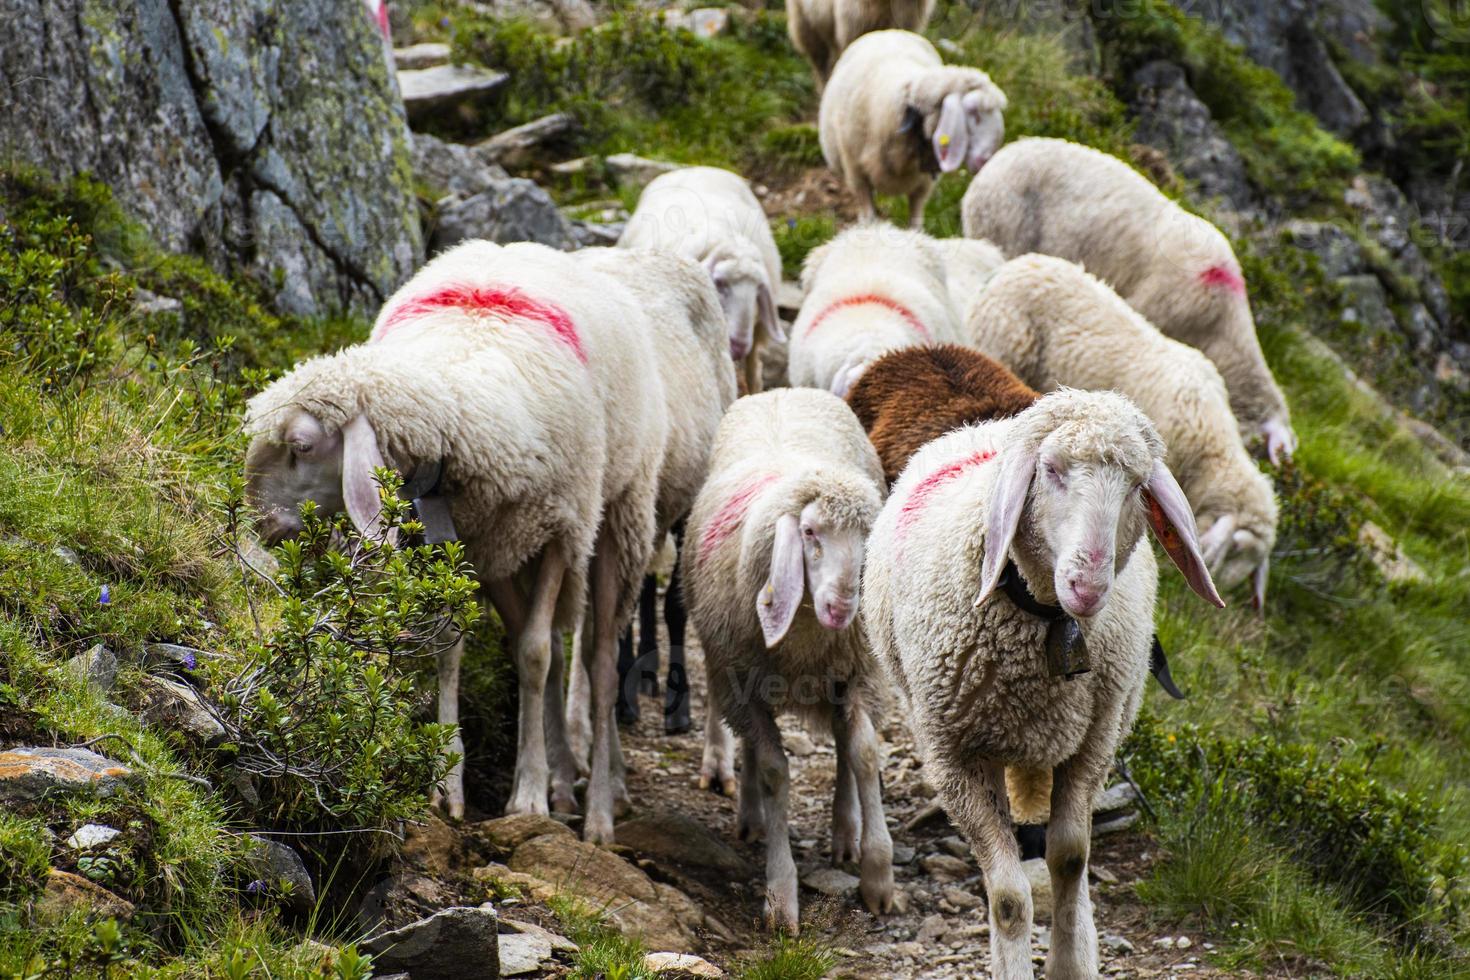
[(96, 667), (1115, 825), (1183, 942), (558, 943), (449, 945), (799, 743), (513, 146), (931, 813), (91, 835), (148, 303), (673, 836), (680, 965), (28, 774), (66, 893), (1116, 943), (956, 846), (945, 867), (1164, 942), (279, 866), (911, 950), (932, 928), (832, 882), (175, 656), (1102, 874), (522, 953), (427, 91), (904, 854), (167, 702), (1119, 797), (962, 899), (426, 55), (628, 170), (1036, 872)]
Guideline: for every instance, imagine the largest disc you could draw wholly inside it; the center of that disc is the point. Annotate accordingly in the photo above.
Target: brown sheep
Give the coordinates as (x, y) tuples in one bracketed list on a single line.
[(912, 396)]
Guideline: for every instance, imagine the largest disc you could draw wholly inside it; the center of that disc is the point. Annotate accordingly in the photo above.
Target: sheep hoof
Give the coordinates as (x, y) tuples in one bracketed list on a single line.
[(779, 919), (728, 787)]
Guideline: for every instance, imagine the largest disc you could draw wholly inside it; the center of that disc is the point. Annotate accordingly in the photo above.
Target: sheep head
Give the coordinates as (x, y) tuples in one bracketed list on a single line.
[(1086, 470), (960, 111), (817, 548), (746, 299)]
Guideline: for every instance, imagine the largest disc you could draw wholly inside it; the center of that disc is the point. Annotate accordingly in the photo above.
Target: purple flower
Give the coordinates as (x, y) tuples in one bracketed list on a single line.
[(443, 21), (104, 598), (190, 661), (255, 887)]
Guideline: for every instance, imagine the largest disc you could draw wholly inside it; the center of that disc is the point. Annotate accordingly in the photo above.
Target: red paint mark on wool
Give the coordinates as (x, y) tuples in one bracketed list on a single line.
[(1225, 276), (871, 299), (919, 497), (732, 514), (499, 300)]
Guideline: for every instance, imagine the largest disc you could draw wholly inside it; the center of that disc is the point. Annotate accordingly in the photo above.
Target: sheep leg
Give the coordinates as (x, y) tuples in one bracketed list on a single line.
[(854, 730), (975, 799), (774, 776), (579, 707), (558, 748), (917, 200), (533, 665), (750, 810), (1073, 950), (867, 199), (717, 770), (450, 794), (626, 709), (618, 774), (676, 687), (847, 817), (599, 651)]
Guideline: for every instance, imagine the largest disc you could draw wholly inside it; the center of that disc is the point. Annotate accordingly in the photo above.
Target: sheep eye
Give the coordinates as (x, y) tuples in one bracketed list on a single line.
[(1054, 476), (808, 533)]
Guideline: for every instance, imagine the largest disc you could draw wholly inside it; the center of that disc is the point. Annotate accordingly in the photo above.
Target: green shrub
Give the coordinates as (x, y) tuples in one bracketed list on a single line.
[(795, 237), (794, 147)]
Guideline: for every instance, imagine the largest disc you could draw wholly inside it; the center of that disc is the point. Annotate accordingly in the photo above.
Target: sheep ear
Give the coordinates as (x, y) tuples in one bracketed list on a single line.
[(952, 135), (1258, 585), (360, 456), (780, 597), (769, 316), (1173, 524), (1006, 503)]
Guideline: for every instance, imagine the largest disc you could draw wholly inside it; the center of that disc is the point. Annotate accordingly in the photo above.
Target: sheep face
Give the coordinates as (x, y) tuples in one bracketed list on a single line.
[(1235, 552), (1087, 516), (967, 132), (814, 553), (301, 461), (746, 300), (1086, 470)]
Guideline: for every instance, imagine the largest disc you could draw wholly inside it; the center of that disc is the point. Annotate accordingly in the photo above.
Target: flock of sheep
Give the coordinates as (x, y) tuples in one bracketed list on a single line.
[(947, 506)]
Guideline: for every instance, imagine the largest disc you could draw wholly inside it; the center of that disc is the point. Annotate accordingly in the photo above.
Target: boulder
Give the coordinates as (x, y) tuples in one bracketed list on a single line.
[(1040, 878), (676, 838), (512, 210), (176, 705), (509, 832), (513, 146), (680, 966), (1338, 253), (430, 91), (247, 131), (432, 846), (457, 943), (453, 168), (558, 943), (96, 667), (1173, 119), (66, 893), (661, 915), (28, 774), (400, 899), (282, 869), (592, 234), (522, 953)]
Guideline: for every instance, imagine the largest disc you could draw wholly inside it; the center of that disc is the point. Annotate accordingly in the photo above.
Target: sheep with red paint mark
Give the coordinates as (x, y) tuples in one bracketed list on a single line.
[(524, 375), (872, 289), (1053, 501), (894, 117), (1177, 269), (1055, 325), (710, 215), (772, 560)]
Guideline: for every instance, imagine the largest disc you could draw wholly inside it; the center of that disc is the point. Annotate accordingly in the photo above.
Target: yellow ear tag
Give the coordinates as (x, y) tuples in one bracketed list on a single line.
[(769, 595), (943, 139)]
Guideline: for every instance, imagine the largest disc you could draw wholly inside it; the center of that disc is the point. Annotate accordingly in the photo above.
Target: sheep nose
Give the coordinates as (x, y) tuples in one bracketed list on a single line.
[(738, 348), (836, 614), (1083, 598), (275, 527)]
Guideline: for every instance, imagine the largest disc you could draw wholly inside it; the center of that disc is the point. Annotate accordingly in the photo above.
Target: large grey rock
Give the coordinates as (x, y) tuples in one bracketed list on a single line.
[(1173, 119), (170, 703), (513, 146), (676, 838), (96, 667), (453, 168), (280, 867), (1337, 251), (455, 944), (28, 774), (513, 210), (832, 882), (268, 137), (522, 953), (66, 894)]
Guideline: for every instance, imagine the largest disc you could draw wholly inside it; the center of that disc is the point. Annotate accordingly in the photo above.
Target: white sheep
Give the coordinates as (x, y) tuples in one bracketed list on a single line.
[(894, 115), (822, 29), (1177, 269), (968, 265), (523, 372), (710, 215), (1055, 325), (1052, 502), (697, 381), (793, 488), (872, 289)]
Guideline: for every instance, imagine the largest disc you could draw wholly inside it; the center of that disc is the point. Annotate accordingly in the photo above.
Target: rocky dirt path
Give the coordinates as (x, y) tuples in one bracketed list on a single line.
[(941, 931)]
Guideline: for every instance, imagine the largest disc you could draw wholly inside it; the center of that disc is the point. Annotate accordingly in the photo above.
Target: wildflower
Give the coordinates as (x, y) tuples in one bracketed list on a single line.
[(190, 661), (104, 598), (255, 887)]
